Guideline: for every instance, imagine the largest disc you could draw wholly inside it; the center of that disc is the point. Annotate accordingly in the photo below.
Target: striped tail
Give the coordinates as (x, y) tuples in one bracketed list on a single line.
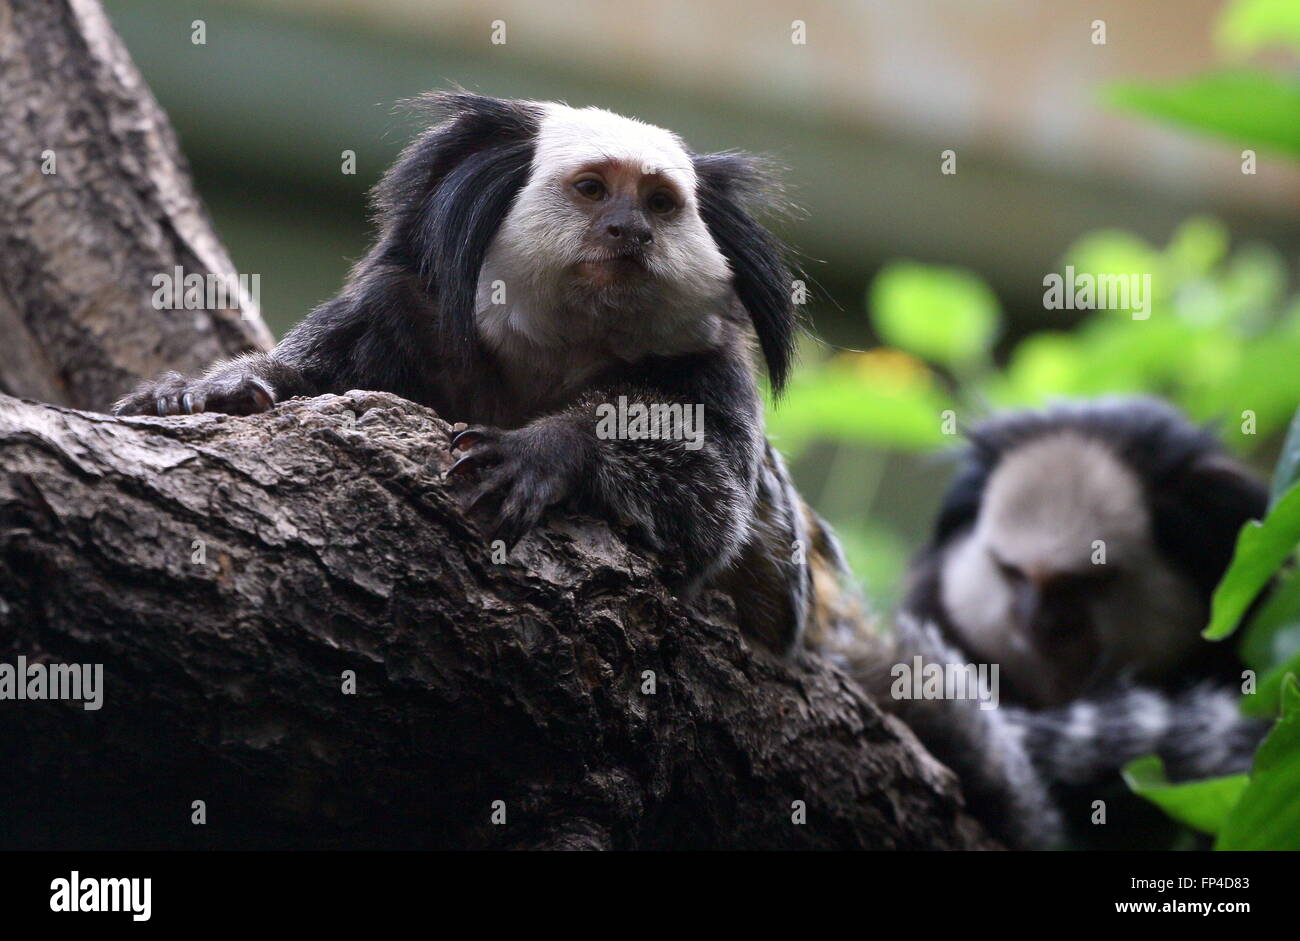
[(1010, 759), (1199, 733)]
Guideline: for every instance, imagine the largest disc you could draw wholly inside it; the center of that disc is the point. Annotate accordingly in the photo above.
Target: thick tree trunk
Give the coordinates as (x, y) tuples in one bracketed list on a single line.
[(229, 572), (95, 203), (235, 576)]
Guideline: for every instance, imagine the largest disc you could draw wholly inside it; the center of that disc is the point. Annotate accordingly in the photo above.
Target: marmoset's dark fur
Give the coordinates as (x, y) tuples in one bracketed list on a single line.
[(1078, 549), (536, 262)]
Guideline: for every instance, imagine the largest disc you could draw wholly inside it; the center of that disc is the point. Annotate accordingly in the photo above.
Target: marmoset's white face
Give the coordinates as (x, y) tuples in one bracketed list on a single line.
[(1060, 579), (604, 245)]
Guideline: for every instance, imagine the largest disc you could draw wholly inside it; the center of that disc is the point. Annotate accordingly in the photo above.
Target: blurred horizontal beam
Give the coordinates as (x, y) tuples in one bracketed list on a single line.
[(275, 95)]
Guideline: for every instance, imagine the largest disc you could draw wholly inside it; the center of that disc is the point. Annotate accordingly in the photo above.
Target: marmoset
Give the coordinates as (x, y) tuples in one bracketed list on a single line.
[(1078, 548), (534, 263)]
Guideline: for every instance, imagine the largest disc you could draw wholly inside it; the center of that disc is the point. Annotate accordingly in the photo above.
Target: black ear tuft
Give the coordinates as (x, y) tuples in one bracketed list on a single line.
[(961, 502), (442, 202), (727, 184), (1198, 512)]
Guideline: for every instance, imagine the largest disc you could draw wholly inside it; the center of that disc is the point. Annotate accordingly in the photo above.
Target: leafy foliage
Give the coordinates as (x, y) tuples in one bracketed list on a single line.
[(1246, 26), (1267, 816), (946, 315), (1261, 549), (1202, 805), (1219, 338), (1256, 107), (1240, 104)]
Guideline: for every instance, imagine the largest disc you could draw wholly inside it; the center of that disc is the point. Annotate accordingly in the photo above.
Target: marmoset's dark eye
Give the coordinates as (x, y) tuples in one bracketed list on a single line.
[(592, 189), (661, 203), (1008, 571), (1094, 579)]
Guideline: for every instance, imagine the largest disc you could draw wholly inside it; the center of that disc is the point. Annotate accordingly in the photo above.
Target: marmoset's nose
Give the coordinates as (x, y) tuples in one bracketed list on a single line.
[(627, 233)]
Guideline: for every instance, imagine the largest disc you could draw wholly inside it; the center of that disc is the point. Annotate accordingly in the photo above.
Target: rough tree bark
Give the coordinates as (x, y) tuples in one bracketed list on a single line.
[(328, 544), (228, 571), (80, 246)]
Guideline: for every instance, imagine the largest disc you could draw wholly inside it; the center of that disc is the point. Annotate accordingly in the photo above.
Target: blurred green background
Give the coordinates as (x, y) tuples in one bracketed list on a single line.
[(1115, 156)]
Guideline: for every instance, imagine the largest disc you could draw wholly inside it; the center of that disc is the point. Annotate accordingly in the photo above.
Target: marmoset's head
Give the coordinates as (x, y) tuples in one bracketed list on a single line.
[(1083, 543), (611, 204), (549, 225)]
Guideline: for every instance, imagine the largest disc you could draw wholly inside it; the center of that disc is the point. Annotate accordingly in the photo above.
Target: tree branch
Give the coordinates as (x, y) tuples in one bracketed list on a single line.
[(328, 544), (96, 202), (228, 573)]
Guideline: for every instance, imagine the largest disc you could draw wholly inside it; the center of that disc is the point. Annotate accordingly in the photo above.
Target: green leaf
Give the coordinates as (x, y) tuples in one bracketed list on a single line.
[(945, 315), (1287, 471), (1253, 284), (1247, 25), (1257, 109), (1113, 251), (1268, 815), (1262, 547), (1201, 805), (1197, 246), (1258, 374), (1044, 364), (881, 398), (1267, 698), (1273, 635)]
